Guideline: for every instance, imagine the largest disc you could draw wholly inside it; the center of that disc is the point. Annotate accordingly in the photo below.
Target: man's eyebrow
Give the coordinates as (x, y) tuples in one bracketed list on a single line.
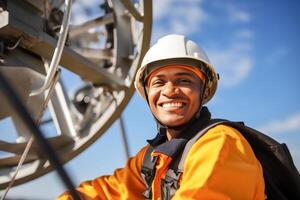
[(185, 74), (176, 74)]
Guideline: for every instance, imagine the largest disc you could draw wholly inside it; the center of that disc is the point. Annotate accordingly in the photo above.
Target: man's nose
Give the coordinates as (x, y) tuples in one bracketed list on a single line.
[(170, 89)]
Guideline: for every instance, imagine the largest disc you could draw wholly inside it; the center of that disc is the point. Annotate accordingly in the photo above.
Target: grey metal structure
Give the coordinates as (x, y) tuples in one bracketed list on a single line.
[(29, 31)]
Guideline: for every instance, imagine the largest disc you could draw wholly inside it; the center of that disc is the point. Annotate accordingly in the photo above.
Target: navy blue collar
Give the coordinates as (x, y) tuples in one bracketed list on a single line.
[(176, 145)]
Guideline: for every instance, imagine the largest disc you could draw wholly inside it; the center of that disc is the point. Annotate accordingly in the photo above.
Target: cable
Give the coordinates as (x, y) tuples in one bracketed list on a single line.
[(29, 144), (58, 50), (15, 45), (22, 159), (48, 150)]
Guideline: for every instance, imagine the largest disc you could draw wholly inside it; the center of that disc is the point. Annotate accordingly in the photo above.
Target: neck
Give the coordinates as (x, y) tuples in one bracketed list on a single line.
[(172, 133)]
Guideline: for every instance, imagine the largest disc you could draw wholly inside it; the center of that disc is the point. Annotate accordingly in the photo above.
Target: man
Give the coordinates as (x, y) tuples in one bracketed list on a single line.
[(176, 79)]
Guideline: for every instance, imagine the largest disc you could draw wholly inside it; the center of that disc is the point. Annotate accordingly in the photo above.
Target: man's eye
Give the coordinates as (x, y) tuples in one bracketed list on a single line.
[(157, 83), (185, 81)]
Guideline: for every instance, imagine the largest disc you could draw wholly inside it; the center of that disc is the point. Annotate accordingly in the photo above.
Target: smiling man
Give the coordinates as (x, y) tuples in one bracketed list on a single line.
[(176, 79), (174, 95)]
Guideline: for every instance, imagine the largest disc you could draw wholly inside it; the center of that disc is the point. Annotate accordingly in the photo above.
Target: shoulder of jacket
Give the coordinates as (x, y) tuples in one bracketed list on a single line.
[(224, 130), (222, 138), (221, 135)]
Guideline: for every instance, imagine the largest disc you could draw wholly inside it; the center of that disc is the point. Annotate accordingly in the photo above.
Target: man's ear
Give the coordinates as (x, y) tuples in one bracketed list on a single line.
[(206, 93)]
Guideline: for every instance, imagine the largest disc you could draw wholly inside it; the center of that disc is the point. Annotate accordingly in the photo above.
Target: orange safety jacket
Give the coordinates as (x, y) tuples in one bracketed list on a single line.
[(220, 165)]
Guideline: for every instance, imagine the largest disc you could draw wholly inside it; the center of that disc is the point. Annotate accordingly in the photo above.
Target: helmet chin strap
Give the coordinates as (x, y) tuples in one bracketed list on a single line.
[(162, 128)]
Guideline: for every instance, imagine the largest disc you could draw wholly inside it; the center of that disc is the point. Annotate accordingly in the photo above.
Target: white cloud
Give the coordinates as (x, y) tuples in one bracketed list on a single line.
[(292, 123), (87, 4), (83, 10), (296, 156), (160, 8), (233, 64), (237, 15), (244, 34), (178, 17)]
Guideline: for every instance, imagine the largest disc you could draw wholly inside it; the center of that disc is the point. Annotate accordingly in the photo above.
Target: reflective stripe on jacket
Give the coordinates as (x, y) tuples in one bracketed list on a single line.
[(220, 165)]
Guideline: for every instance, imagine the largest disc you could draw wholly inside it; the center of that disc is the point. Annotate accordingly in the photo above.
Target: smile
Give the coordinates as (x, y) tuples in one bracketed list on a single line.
[(172, 105)]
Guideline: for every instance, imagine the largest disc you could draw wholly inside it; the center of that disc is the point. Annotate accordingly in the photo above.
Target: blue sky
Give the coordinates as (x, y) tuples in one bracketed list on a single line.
[(254, 46)]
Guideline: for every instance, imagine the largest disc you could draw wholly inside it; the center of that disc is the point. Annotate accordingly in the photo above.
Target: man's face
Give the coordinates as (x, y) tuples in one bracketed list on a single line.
[(174, 95)]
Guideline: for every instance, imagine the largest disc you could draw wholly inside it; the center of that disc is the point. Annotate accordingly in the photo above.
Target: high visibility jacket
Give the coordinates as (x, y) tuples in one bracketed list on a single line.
[(220, 165)]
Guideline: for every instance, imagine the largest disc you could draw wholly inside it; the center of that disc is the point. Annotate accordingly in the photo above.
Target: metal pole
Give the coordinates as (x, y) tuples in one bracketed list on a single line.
[(123, 136)]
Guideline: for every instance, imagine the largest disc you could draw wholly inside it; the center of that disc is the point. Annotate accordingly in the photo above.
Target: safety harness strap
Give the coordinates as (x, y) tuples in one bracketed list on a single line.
[(148, 172), (170, 184), (189, 144)]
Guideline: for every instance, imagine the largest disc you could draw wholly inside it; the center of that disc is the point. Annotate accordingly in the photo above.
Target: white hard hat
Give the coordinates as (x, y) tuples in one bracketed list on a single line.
[(173, 50)]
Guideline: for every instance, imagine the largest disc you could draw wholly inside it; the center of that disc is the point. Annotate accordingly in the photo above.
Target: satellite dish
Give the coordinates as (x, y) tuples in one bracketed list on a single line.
[(104, 51)]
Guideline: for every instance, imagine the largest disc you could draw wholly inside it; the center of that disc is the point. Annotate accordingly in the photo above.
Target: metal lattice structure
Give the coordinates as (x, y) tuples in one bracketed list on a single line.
[(29, 34)]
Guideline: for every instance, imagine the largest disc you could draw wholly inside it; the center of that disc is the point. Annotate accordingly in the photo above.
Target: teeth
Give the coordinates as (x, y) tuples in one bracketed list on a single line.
[(175, 104)]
